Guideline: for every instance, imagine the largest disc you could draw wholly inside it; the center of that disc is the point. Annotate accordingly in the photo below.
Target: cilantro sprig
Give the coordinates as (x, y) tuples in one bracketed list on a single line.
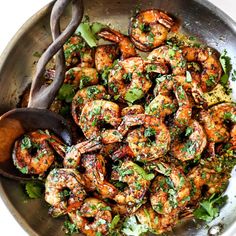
[(209, 209), (225, 61), (34, 189)]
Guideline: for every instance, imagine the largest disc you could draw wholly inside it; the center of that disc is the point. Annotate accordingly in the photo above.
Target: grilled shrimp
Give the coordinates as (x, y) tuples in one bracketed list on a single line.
[(58, 183), (126, 47), (192, 87), (140, 140), (127, 76), (211, 67), (73, 153), (132, 110), (97, 113), (83, 96), (215, 123), (171, 55), (161, 106), (105, 56), (96, 209), (81, 77), (156, 223), (184, 112), (34, 152), (193, 146), (77, 52), (149, 29), (94, 175), (170, 193), (132, 174), (206, 180)]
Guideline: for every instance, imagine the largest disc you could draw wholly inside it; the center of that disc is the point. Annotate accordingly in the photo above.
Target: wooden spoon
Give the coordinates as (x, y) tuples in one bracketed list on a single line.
[(18, 121)]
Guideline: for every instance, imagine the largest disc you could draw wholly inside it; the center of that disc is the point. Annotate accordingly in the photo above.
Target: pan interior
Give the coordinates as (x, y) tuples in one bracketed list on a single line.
[(197, 18)]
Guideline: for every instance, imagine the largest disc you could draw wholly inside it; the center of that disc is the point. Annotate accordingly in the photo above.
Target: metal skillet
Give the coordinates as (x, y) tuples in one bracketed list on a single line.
[(197, 17)]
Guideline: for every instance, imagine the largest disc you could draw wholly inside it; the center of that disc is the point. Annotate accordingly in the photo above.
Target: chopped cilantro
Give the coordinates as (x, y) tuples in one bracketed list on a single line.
[(70, 228), (188, 77), (143, 173), (84, 81), (66, 93), (34, 189), (134, 94), (114, 222), (149, 132), (209, 209), (230, 116), (188, 131), (225, 61), (163, 170), (132, 228), (88, 32), (234, 75), (24, 170), (26, 142)]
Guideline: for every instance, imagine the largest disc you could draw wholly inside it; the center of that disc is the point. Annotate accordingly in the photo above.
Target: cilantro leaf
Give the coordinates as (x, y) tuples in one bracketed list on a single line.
[(134, 94), (132, 228), (66, 93), (209, 209), (70, 228), (114, 222), (34, 189), (88, 32), (225, 61), (188, 77), (143, 173), (149, 132)]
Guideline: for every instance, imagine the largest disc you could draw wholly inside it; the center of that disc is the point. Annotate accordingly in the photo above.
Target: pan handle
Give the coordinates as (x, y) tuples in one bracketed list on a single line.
[(42, 95)]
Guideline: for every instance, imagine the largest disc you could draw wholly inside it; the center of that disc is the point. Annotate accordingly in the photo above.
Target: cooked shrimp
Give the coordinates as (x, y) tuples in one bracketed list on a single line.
[(81, 77), (193, 146), (73, 153), (123, 209), (85, 95), (149, 29), (33, 153), (184, 112), (125, 45), (131, 173), (156, 223), (97, 113), (105, 56), (161, 106), (170, 193), (127, 76), (77, 52), (214, 123), (207, 180), (166, 86), (139, 140), (211, 67), (132, 110), (96, 209), (171, 55), (94, 175), (193, 87), (58, 181)]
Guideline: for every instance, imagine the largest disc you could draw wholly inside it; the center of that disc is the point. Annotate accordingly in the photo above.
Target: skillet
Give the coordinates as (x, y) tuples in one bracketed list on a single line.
[(197, 17)]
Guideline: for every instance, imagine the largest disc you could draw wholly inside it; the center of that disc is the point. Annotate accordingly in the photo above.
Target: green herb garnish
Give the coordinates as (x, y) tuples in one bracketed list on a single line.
[(209, 209), (34, 189), (133, 95), (66, 93)]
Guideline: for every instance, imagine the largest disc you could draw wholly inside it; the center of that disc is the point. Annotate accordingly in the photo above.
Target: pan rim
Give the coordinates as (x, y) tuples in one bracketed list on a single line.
[(12, 43)]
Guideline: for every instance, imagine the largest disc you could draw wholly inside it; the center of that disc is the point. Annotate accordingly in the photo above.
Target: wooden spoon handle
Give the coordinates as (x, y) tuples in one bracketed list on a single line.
[(41, 95)]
